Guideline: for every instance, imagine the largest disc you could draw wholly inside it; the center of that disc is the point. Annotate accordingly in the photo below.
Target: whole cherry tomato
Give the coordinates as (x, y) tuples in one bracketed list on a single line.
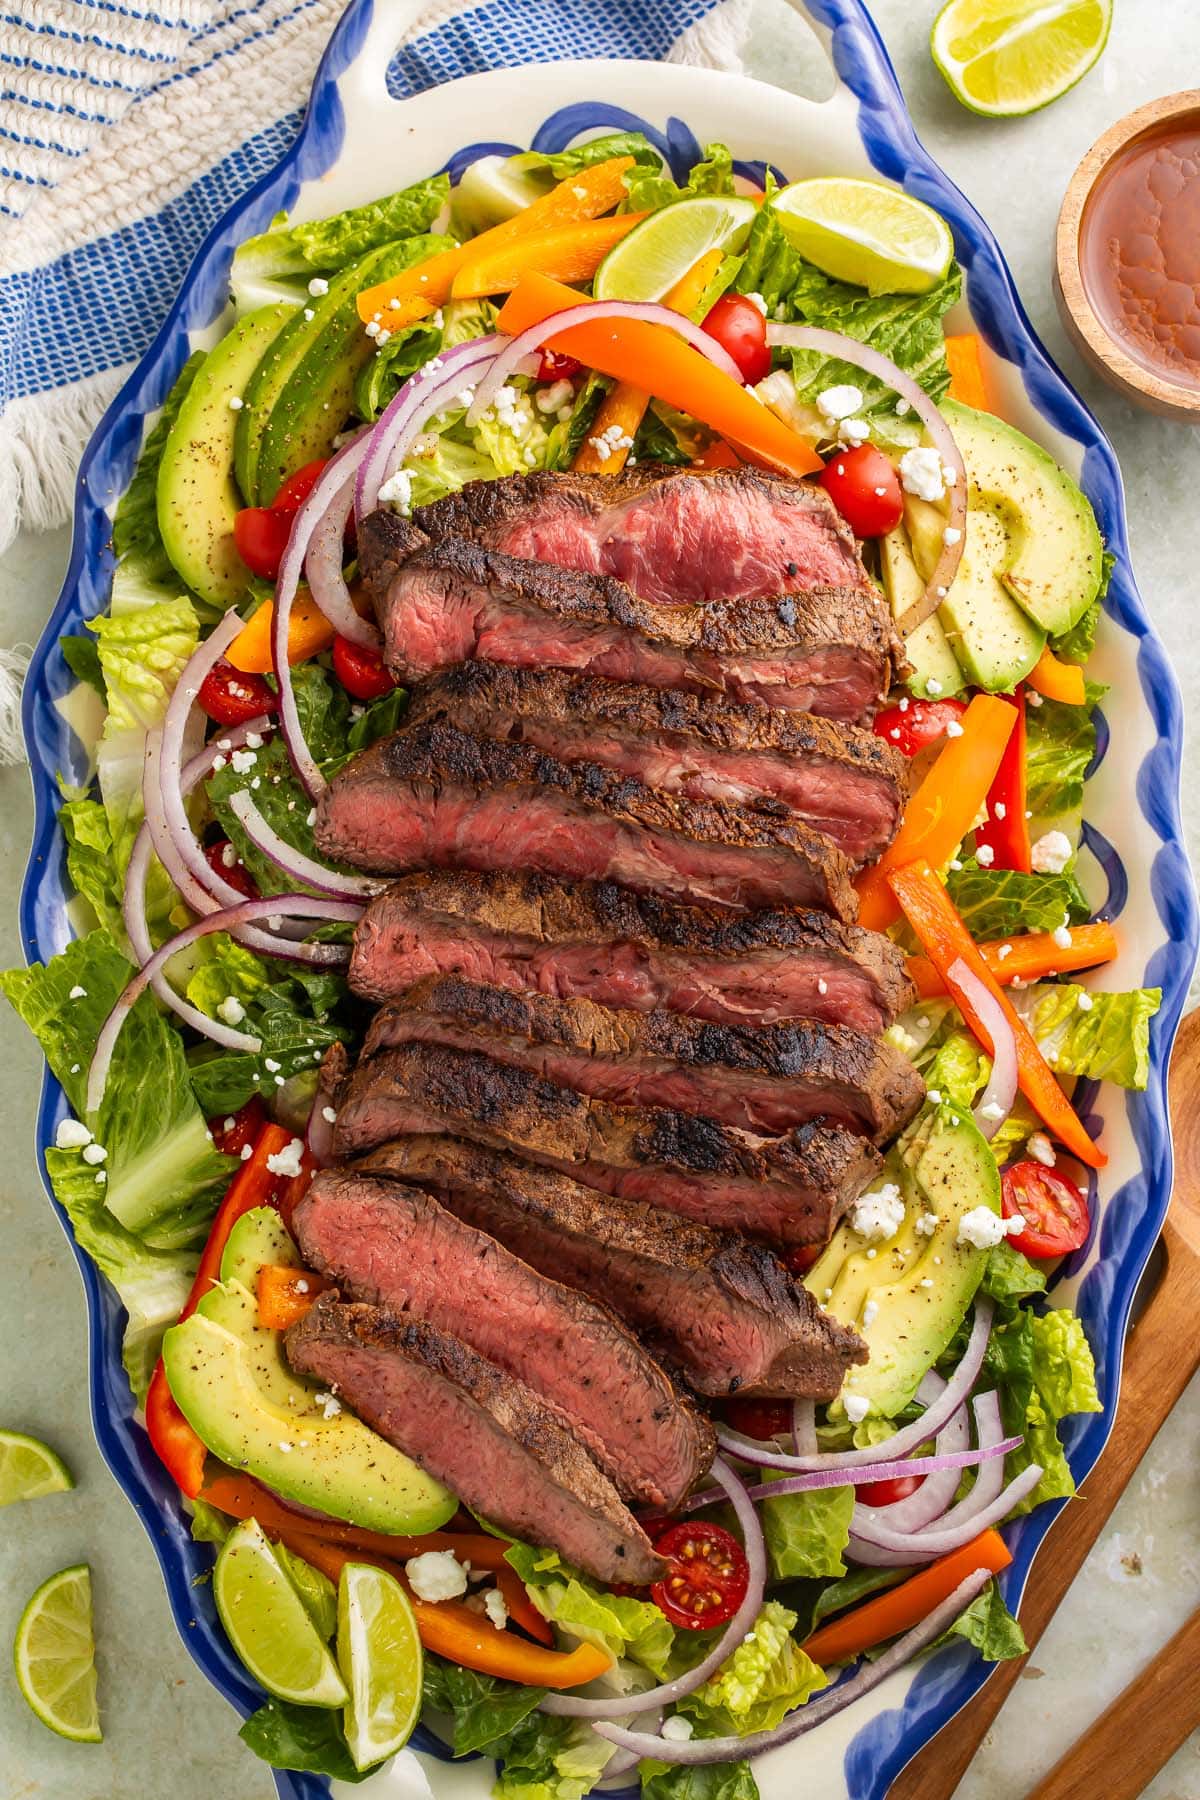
[(918, 724), (1054, 1208), (361, 670), (231, 698), (235, 873), (864, 485), (759, 1418), (707, 1579), (232, 1134), (261, 534), (741, 330), (555, 366), (884, 1493)]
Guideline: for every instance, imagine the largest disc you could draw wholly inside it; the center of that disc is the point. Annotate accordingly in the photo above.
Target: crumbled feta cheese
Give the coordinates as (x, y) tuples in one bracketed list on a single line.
[(328, 1114), (1062, 936), (1004, 951), (758, 301), (301, 1286), (231, 1010), (229, 856), (869, 1312), (879, 1214), (934, 1095), (853, 432), (1084, 1002), (676, 1729), (839, 402), (611, 442), (999, 811), (857, 1407), (285, 1446), (329, 1404), (951, 534), (1033, 697), (927, 1224), (921, 473), (247, 1152), (580, 193), (101, 1177), (72, 1134), (94, 1153), (309, 313), (1041, 1149), (954, 729), (436, 1575), (982, 1229), (564, 413), (902, 409), (926, 1281), (822, 985), (992, 1111), (494, 1607), (955, 863), (1051, 854), (287, 1161), (77, 993), (270, 1063), (318, 287), (933, 686), (397, 490), (235, 403), (312, 815), (985, 856), (243, 761), (554, 396), (383, 337), (371, 328)]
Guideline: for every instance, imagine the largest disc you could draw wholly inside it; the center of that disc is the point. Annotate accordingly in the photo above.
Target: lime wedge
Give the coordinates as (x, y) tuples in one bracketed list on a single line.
[(29, 1469), (268, 1623), (379, 1652), (660, 251), (54, 1656), (1007, 57), (866, 232)]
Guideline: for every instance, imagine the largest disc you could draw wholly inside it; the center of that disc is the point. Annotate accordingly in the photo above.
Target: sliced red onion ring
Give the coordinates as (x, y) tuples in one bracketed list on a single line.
[(323, 565), (848, 349), (989, 1478), (804, 1427), (168, 754), (318, 1134), (756, 1557), (935, 1493), (877, 1471), (302, 906), (996, 1101), (424, 393), (937, 1540), (699, 1751), (293, 862), (936, 1414), (590, 312)]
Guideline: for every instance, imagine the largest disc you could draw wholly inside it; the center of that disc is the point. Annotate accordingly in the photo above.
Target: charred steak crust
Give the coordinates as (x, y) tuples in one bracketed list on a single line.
[(395, 1245), (722, 1310), (805, 1067), (502, 1450), (782, 857)]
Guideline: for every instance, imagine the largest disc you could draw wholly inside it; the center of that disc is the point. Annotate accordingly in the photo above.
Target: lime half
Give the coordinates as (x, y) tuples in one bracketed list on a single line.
[(54, 1656), (660, 251), (268, 1623), (1007, 57), (29, 1469), (866, 232), (379, 1652)]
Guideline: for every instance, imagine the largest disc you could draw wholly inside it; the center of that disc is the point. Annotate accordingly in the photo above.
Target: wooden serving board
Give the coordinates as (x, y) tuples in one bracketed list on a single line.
[(1162, 1354)]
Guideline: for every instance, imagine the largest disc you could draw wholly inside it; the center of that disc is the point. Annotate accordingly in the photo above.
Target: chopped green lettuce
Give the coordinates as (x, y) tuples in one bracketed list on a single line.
[(650, 187), (549, 1758), (280, 262), (988, 1624), (380, 379), (306, 1738), (481, 1707), (770, 267), (211, 1526), (1103, 1036), (1060, 742), (995, 903), (620, 1624), (1009, 1278), (766, 1678), (1062, 1380), (83, 659), (701, 1781), (959, 1068), (558, 164), (1077, 644), (807, 1533)]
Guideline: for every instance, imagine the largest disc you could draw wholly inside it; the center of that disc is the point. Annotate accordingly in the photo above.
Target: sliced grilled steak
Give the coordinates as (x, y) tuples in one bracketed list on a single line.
[(396, 1246), (829, 650), (439, 798), (675, 537), (763, 1079), (784, 1190), (722, 1311), (843, 781), (503, 1451), (598, 941)]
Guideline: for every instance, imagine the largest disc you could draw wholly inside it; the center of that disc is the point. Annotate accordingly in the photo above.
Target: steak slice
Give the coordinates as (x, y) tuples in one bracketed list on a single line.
[(396, 1246), (828, 650), (675, 537), (441, 798), (762, 1079), (786, 1190), (722, 1311), (504, 1452), (600, 942), (839, 779)]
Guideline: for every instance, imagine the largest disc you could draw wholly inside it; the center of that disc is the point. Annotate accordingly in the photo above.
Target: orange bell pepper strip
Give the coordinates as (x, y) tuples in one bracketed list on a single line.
[(898, 1609), (654, 358), (944, 807), (1058, 680), (718, 455), (451, 1629), (242, 1498), (947, 942), (583, 196), (309, 632), (964, 359), (175, 1444), (1028, 958), (285, 1295), (625, 406), (1006, 830), (565, 252)]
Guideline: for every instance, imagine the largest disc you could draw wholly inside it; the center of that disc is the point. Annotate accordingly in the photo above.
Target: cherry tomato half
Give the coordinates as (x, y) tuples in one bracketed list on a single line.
[(261, 534), (298, 487), (1054, 1208), (741, 330), (865, 487), (921, 723), (235, 873), (554, 366), (231, 698), (361, 670), (231, 1135), (707, 1579), (759, 1418), (884, 1493)]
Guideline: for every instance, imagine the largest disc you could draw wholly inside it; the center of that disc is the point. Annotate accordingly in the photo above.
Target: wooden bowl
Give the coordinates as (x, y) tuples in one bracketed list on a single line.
[(1086, 330)]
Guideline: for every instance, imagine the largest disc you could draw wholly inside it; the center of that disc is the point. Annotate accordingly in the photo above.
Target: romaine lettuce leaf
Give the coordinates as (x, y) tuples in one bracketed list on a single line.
[(83, 659), (549, 1758), (958, 1068), (1060, 742), (482, 1707), (807, 1533), (380, 380), (650, 187), (306, 1738), (770, 267), (995, 903), (988, 1624), (701, 1781), (1106, 1038), (1062, 1380), (620, 1624), (558, 164), (766, 1678), (1009, 1278)]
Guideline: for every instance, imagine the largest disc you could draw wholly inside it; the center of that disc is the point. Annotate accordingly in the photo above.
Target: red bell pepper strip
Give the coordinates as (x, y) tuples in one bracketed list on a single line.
[(946, 941), (1006, 832), (900, 1608)]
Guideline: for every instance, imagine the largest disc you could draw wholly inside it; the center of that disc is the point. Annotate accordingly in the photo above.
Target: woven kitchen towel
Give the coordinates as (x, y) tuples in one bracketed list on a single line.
[(129, 126)]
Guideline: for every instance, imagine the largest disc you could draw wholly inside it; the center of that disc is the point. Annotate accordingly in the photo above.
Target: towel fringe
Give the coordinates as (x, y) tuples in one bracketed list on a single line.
[(41, 436)]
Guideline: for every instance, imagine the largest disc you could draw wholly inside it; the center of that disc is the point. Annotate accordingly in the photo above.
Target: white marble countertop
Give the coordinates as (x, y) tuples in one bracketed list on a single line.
[(167, 1732)]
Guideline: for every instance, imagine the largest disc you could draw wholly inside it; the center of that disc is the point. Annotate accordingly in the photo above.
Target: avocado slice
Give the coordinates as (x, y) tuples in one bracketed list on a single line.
[(197, 497), (995, 642), (301, 393), (928, 648), (944, 1173), (232, 1384)]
